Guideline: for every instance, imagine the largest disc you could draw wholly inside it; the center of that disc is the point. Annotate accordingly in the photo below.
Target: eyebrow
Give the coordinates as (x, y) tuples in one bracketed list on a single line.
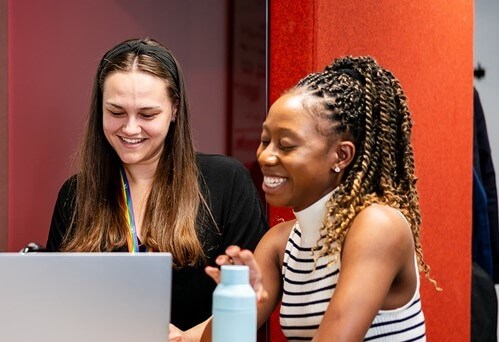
[(142, 108), (281, 130)]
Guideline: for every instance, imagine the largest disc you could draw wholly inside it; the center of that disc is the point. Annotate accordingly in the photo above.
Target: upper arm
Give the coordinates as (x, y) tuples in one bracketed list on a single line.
[(378, 247), (269, 255)]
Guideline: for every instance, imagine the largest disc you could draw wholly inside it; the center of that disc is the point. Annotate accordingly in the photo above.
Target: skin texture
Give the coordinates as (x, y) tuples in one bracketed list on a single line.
[(378, 268), (137, 114)]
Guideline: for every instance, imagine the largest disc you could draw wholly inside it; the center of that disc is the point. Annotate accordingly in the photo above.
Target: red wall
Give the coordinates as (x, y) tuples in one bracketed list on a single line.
[(428, 46), (54, 47)]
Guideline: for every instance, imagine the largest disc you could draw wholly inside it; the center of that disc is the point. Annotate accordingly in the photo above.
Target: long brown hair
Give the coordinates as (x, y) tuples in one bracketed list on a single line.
[(99, 221), (364, 103)]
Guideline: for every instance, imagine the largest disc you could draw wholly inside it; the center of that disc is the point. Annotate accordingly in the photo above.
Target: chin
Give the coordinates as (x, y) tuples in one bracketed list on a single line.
[(275, 202), (130, 161)]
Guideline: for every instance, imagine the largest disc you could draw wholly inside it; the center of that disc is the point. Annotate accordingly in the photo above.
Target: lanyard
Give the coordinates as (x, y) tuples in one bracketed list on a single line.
[(132, 239)]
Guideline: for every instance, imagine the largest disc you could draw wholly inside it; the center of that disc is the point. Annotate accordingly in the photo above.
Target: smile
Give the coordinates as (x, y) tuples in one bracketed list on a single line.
[(132, 140), (273, 182)]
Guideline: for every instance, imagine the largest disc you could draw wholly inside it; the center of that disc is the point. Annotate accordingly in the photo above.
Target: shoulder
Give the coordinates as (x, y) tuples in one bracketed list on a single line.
[(277, 237), (224, 172), (68, 188), (281, 231), (217, 164), (380, 227)]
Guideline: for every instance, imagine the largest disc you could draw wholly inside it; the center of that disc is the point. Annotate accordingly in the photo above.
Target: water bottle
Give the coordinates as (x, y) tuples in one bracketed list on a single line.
[(234, 306)]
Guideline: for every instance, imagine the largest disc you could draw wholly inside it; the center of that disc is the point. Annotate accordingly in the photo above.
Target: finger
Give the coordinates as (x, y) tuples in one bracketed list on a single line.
[(224, 260), (213, 272), (255, 275), (233, 252), (261, 295), (248, 258)]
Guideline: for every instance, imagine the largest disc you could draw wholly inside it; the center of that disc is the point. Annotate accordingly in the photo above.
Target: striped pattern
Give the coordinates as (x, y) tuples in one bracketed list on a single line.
[(307, 291)]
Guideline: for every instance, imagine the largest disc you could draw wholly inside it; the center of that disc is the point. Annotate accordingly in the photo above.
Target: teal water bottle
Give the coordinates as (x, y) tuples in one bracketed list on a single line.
[(234, 306)]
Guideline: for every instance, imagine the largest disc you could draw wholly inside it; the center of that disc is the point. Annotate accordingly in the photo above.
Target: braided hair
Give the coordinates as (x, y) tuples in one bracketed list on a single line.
[(360, 101)]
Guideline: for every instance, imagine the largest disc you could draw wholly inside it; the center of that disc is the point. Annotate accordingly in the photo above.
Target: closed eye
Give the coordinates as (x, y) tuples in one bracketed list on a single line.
[(116, 113), (148, 116), (286, 148)]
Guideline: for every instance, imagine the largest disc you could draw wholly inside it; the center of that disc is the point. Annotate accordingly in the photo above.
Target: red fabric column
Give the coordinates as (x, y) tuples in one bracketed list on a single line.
[(428, 45)]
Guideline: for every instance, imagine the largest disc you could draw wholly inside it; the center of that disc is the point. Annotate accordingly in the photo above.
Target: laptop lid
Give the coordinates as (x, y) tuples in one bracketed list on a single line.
[(85, 297)]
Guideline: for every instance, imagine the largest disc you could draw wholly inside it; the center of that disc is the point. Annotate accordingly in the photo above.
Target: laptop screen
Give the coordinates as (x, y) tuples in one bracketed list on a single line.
[(85, 296)]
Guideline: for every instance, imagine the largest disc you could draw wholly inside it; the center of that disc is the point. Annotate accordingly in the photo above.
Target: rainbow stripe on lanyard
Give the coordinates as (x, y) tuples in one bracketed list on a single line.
[(132, 239)]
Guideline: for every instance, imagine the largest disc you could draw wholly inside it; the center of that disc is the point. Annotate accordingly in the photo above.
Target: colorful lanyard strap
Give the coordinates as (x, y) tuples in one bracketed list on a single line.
[(132, 239)]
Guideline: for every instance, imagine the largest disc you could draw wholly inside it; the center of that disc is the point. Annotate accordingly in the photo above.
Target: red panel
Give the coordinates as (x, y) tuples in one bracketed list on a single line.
[(428, 46), (290, 53), (291, 43)]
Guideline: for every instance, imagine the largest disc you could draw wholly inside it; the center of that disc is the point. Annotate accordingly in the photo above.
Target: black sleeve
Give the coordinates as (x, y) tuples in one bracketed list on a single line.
[(61, 217)]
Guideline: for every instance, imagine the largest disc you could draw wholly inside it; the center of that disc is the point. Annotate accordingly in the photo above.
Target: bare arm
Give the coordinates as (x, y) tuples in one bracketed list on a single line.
[(377, 272), (269, 255)]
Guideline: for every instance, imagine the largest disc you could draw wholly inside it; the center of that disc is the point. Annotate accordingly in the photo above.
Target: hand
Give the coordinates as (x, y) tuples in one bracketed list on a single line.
[(237, 256)]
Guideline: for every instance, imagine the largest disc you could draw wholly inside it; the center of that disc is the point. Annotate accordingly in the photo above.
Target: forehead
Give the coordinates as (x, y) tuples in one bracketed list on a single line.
[(134, 82), (288, 110)]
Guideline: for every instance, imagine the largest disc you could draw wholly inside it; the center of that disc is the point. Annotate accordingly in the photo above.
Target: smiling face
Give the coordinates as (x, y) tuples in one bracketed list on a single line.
[(137, 112), (296, 160)]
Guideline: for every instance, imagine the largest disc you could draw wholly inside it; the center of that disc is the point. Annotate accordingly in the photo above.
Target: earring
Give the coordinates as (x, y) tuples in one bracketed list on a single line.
[(336, 169)]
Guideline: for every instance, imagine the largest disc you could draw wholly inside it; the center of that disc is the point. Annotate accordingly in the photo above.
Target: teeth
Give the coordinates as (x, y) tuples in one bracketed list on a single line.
[(273, 182), (132, 140)]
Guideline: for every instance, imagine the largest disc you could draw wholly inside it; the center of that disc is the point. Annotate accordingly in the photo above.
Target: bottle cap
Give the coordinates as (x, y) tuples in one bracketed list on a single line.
[(234, 293), (235, 274)]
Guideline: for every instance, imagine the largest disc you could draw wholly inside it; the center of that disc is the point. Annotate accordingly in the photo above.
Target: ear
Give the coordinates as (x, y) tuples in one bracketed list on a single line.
[(345, 152)]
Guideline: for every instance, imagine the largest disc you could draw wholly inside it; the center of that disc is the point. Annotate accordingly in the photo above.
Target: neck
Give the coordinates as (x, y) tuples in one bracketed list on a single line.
[(140, 174)]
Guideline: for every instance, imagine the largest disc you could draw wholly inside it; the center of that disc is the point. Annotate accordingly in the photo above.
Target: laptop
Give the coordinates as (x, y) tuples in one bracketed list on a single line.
[(62, 297)]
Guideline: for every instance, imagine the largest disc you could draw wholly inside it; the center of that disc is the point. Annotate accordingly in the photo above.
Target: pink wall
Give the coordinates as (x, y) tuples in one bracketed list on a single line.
[(3, 124), (54, 47)]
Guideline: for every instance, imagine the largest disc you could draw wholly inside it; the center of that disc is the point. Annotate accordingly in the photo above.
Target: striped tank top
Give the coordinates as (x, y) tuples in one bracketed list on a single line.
[(308, 290)]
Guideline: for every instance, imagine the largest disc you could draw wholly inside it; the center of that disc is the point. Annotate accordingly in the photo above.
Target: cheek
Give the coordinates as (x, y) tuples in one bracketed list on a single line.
[(258, 151), (157, 129), (110, 124)]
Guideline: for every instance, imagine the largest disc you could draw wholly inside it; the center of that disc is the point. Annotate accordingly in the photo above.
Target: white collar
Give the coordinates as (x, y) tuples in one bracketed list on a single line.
[(311, 220)]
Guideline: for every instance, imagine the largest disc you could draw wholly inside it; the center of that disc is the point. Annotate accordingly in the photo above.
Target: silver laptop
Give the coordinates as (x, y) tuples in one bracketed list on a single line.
[(85, 297)]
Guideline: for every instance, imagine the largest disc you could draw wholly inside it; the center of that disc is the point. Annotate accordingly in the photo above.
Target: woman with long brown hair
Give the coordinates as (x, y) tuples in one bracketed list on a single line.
[(143, 187)]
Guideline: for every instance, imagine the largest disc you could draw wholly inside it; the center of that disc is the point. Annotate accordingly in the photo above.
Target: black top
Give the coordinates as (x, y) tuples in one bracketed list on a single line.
[(239, 215)]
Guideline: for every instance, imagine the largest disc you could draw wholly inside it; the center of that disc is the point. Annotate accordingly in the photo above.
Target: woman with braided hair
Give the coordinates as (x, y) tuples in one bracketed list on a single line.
[(336, 148)]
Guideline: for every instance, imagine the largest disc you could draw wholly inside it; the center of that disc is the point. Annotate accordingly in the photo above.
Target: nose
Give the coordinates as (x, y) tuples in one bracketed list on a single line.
[(267, 155), (131, 126)]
